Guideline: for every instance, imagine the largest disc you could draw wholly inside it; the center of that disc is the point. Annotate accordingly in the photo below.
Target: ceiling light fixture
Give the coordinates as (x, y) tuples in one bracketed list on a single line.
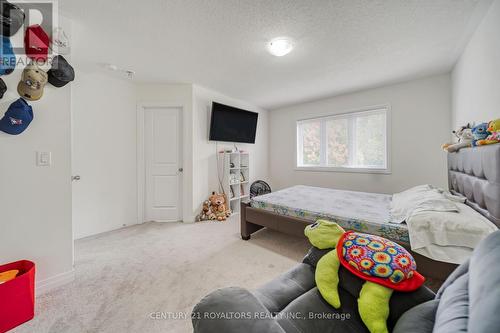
[(280, 46)]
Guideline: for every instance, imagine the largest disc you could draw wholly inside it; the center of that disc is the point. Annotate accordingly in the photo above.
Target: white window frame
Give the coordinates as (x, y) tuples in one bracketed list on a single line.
[(322, 167)]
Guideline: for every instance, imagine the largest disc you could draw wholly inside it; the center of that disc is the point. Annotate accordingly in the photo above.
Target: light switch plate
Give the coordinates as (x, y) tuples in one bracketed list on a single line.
[(43, 158)]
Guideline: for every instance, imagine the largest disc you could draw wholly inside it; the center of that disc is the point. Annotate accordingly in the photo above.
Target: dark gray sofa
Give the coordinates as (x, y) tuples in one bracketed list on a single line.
[(468, 301)]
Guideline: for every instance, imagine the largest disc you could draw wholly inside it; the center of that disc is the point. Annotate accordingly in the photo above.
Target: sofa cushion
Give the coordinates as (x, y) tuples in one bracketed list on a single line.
[(418, 319), (232, 310), (276, 294), (402, 302), (458, 272), (453, 312), (484, 286), (312, 314), (314, 255)]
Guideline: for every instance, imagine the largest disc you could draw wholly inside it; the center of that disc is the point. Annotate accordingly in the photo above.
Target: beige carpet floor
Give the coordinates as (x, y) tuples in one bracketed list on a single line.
[(125, 275)]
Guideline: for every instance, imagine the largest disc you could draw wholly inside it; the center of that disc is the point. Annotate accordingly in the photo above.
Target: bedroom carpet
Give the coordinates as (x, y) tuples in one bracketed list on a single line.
[(125, 275)]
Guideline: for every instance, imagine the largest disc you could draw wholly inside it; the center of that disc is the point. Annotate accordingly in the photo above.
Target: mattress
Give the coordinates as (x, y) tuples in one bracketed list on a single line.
[(359, 211)]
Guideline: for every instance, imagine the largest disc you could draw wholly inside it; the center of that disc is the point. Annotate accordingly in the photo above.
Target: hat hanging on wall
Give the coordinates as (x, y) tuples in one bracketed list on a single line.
[(33, 80), (36, 43), (11, 18), (3, 88), (17, 118), (61, 72), (7, 56), (60, 41)]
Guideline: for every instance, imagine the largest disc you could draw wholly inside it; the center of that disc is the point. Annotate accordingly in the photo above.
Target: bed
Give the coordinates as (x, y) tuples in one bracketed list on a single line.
[(473, 173)]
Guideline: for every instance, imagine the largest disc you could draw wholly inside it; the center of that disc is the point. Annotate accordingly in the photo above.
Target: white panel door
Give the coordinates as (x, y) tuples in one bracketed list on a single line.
[(163, 164)]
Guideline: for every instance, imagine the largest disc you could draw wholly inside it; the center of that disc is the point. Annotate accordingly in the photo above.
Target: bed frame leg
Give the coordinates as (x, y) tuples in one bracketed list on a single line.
[(247, 228)]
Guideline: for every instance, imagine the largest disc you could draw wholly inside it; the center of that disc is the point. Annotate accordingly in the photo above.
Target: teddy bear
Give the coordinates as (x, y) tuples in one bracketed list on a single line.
[(219, 208), (480, 132), (465, 139), (206, 212), (494, 136)]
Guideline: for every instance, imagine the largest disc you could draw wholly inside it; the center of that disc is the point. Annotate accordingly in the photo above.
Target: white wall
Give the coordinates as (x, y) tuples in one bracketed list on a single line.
[(205, 163), (104, 153), (180, 95), (35, 202), (476, 76), (421, 114), (200, 177)]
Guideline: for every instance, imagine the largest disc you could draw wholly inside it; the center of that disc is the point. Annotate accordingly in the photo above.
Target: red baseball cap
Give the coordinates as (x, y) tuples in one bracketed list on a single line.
[(36, 43)]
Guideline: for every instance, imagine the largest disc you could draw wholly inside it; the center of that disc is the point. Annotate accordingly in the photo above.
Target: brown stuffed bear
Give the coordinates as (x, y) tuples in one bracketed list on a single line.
[(206, 212), (218, 203)]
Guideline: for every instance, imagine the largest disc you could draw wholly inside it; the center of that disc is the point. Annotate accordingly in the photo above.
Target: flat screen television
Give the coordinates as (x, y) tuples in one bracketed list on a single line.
[(231, 124)]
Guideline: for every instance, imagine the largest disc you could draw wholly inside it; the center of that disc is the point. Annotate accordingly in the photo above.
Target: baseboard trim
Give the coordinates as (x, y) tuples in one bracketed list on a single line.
[(53, 282)]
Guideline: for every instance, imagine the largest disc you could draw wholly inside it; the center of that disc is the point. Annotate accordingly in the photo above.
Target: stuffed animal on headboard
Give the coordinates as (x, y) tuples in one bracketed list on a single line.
[(480, 132), (465, 139), (494, 134)]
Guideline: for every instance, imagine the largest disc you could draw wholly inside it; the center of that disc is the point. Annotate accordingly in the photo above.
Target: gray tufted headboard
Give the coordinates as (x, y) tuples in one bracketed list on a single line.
[(475, 174)]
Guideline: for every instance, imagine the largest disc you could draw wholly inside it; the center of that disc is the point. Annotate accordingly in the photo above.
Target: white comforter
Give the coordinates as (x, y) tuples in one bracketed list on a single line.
[(440, 225)]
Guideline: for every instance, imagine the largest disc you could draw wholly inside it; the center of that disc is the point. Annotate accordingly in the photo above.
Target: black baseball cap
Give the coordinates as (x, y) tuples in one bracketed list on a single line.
[(61, 72), (3, 88), (11, 18)]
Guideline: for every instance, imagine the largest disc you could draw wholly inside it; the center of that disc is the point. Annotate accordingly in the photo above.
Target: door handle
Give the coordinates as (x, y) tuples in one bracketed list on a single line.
[(75, 178), (181, 169)]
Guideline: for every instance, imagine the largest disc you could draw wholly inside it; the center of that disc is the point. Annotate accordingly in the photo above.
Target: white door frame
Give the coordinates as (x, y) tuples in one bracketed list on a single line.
[(141, 175)]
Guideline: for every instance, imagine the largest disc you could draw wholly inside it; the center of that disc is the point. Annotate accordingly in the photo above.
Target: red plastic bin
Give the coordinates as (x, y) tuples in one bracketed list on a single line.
[(17, 296)]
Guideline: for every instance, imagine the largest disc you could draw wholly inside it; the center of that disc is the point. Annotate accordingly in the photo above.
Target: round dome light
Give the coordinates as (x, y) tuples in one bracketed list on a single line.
[(280, 46)]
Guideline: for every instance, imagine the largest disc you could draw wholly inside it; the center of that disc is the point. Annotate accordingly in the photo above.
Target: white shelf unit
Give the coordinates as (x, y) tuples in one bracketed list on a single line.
[(234, 170)]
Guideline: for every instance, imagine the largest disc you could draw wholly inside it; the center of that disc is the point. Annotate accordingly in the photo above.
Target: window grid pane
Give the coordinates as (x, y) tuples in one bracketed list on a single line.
[(370, 141), (311, 143), (356, 140), (337, 142)]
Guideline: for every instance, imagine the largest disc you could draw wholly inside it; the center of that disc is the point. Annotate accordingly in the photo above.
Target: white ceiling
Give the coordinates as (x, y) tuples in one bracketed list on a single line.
[(341, 45)]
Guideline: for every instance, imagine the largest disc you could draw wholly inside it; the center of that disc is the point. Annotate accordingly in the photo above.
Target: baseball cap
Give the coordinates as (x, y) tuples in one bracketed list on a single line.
[(60, 41), (11, 18), (17, 117), (61, 72), (36, 43), (3, 88), (33, 80), (7, 56)]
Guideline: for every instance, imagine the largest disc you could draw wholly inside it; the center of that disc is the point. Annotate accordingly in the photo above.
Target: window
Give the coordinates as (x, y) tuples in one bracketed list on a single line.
[(348, 142)]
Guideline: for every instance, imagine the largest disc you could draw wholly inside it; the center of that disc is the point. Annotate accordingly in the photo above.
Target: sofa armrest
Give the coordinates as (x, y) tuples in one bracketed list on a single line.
[(232, 310)]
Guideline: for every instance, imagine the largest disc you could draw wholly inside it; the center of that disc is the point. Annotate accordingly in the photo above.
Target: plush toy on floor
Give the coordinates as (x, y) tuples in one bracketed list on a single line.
[(385, 265), (494, 136), (219, 208), (206, 212), (465, 139)]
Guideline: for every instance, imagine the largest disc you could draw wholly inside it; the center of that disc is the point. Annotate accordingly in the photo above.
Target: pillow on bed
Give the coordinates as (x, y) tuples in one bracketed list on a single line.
[(422, 197)]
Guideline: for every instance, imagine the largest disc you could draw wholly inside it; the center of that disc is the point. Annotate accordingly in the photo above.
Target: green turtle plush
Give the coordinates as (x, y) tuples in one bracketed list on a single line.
[(385, 265)]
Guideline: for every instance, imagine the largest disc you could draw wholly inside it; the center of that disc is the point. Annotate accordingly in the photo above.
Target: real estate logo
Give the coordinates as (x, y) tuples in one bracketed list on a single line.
[(29, 27)]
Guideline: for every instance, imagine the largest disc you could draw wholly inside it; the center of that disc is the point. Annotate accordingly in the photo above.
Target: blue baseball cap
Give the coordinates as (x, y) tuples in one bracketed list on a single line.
[(17, 117), (7, 56)]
